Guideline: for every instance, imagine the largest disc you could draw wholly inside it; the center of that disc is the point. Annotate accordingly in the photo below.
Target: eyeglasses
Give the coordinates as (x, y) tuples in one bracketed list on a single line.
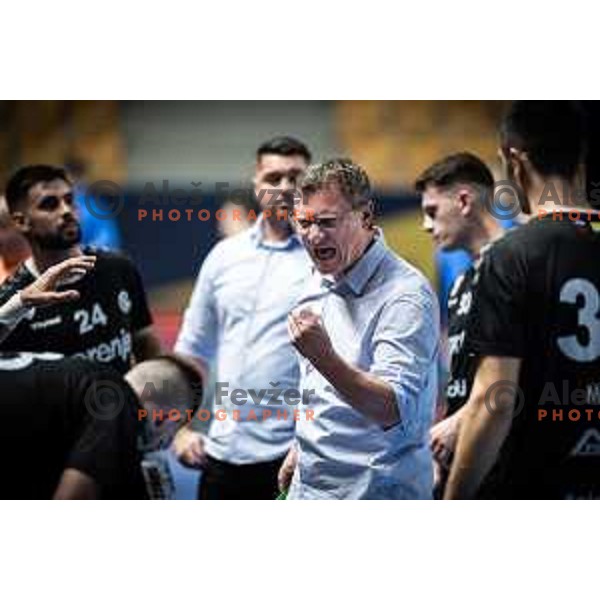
[(324, 223)]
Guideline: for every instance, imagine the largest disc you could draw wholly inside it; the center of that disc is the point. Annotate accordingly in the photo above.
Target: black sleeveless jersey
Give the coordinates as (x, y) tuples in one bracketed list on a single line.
[(538, 299), (67, 413)]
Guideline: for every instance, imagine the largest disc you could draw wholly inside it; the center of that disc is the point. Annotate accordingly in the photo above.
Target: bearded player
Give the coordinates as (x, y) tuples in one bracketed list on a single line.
[(109, 321)]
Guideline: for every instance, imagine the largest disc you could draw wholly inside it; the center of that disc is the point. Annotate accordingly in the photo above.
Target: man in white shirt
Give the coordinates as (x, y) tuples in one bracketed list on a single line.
[(367, 332), (236, 319)]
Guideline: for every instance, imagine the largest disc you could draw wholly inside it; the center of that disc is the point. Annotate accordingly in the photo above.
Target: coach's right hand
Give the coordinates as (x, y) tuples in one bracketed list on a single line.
[(189, 448), (42, 291)]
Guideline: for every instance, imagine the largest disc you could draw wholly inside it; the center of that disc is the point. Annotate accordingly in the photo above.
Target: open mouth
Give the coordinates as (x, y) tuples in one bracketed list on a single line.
[(324, 253)]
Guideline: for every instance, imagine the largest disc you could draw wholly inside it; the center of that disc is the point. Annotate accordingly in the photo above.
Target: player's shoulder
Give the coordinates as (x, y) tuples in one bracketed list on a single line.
[(228, 245), (81, 374), (514, 244), (106, 255), (48, 368), (532, 240), (84, 366), (463, 283), (245, 239), (93, 387), (110, 259), (20, 279), (230, 249)]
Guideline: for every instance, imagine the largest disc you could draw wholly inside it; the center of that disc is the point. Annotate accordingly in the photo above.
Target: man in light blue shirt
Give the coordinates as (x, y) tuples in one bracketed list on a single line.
[(236, 320), (367, 332)]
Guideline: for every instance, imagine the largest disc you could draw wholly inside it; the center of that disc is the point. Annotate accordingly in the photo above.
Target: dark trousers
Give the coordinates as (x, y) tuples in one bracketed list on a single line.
[(226, 481)]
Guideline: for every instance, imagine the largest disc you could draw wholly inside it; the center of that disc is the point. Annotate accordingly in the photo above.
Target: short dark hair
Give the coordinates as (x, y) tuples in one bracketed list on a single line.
[(463, 167), (552, 132), (24, 179), (284, 146)]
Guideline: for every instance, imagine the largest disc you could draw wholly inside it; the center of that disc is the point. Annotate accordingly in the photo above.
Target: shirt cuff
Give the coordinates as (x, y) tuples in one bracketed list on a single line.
[(13, 311)]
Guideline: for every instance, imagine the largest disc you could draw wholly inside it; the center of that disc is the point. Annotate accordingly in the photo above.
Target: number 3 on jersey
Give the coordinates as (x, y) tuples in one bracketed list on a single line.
[(87, 322), (587, 318)]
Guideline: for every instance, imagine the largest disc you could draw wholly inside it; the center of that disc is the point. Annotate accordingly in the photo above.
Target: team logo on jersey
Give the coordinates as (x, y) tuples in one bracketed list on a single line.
[(588, 444), (124, 302)]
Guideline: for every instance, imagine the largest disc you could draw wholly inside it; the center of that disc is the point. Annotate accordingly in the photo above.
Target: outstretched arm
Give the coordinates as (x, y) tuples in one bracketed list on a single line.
[(42, 292)]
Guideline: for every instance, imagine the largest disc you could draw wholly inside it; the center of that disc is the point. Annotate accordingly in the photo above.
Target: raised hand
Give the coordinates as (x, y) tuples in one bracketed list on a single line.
[(43, 290)]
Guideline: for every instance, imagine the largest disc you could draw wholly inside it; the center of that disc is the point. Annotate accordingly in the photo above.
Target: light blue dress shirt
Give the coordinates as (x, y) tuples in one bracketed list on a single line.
[(383, 318), (237, 319)]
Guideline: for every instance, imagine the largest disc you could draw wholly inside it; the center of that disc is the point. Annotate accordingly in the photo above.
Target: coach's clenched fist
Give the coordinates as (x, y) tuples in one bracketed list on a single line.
[(309, 336)]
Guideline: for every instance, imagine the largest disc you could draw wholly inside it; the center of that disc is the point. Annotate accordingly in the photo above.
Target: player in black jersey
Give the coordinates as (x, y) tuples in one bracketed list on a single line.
[(70, 431), (74, 429), (69, 413), (531, 426), (455, 192), (109, 322)]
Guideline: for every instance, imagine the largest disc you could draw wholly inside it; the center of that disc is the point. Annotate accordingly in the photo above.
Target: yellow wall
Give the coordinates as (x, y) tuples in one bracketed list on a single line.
[(404, 235), (396, 140), (51, 131)]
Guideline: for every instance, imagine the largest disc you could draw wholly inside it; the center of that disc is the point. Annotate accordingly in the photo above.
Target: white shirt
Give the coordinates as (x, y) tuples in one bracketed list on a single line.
[(383, 318), (237, 318)]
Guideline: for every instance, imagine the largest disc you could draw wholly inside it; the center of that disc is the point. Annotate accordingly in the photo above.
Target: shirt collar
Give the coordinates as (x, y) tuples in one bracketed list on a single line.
[(356, 279), (257, 235), (31, 267)]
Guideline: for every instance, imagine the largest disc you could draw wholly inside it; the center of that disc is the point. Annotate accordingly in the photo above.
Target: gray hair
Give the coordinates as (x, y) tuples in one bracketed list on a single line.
[(341, 173)]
